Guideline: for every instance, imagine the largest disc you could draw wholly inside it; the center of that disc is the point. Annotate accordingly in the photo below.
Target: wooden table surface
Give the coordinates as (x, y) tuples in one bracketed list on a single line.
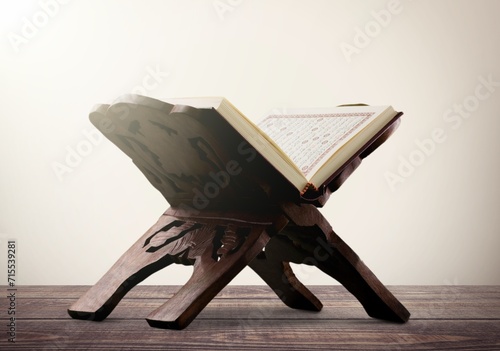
[(253, 318)]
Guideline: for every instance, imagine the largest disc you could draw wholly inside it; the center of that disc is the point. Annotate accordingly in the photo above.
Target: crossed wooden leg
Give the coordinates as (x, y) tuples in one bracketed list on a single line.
[(209, 278), (135, 265), (218, 246), (278, 274), (309, 239)]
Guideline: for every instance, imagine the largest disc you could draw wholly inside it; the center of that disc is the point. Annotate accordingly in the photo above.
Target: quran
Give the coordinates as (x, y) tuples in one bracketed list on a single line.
[(308, 147)]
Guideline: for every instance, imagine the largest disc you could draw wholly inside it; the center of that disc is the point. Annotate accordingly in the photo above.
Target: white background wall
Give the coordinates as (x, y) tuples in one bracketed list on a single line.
[(439, 224)]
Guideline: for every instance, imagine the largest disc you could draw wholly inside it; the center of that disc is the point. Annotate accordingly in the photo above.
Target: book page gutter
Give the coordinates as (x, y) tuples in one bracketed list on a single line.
[(256, 134)]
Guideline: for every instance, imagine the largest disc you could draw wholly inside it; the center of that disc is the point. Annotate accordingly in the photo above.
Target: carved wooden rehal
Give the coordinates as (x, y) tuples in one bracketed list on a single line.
[(229, 208)]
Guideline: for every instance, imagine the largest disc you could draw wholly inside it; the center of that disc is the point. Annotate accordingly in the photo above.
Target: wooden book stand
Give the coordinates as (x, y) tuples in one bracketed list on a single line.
[(229, 208)]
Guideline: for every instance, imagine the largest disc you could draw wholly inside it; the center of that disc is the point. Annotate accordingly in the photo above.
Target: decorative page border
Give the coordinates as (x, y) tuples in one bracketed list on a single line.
[(366, 115)]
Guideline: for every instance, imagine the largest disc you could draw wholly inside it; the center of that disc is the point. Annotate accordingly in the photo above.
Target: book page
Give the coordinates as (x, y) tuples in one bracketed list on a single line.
[(310, 139)]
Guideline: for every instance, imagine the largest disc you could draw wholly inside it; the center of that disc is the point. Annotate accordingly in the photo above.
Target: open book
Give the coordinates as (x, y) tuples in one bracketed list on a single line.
[(305, 146)]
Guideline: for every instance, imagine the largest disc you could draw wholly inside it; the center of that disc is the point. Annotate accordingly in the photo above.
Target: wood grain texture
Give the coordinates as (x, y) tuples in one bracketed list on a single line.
[(444, 318), (209, 277), (219, 248), (309, 239), (425, 302)]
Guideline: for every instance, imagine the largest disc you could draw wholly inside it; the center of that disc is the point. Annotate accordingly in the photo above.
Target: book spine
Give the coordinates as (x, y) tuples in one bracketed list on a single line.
[(308, 187)]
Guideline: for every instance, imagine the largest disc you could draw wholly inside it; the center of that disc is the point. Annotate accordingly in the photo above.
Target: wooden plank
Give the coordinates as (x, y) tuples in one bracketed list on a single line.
[(324, 292), (465, 302), (222, 308), (288, 334)]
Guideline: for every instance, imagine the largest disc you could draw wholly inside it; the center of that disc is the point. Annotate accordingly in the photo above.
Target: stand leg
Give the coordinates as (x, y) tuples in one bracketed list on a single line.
[(134, 265), (312, 241), (279, 276), (209, 277)]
